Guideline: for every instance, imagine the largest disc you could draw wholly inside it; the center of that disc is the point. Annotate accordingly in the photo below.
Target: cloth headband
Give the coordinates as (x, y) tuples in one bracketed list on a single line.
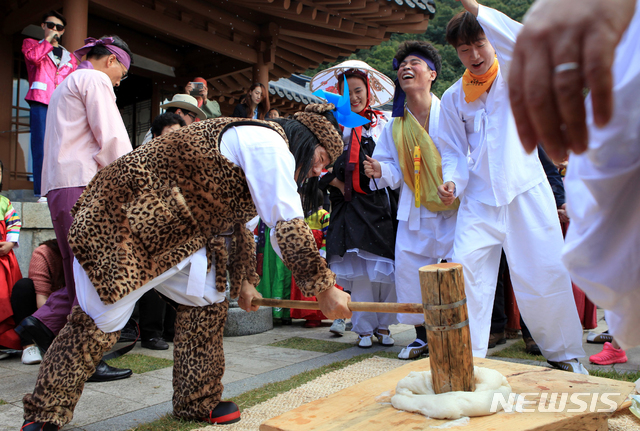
[(396, 64), (107, 42), (399, 95)]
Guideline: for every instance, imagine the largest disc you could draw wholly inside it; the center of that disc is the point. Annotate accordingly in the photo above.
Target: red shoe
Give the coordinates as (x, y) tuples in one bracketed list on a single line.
[(312, 323), (609, 355), (226, 412)]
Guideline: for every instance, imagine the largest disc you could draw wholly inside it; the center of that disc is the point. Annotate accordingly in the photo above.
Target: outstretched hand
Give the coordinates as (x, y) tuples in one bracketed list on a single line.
[(565, 46), (470, 5)]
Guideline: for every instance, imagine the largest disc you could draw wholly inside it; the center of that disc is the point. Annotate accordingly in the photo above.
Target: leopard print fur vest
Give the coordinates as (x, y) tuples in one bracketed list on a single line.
[(159, 204)]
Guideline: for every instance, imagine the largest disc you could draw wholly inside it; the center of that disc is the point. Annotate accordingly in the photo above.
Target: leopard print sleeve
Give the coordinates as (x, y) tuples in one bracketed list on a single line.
[(301, 256), (242, 259)]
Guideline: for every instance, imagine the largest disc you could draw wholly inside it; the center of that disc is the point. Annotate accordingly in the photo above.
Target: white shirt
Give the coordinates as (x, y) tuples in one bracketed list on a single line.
[(269, 168), (479, 143), (387, 154)]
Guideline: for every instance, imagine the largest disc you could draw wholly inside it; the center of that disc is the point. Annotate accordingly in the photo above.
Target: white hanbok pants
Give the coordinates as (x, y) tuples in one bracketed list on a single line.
[(529, 231), (365, 290), (417, 248), (173, 284)]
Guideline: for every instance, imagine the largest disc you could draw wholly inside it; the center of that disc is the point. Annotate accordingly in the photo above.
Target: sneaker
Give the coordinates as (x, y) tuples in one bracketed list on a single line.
[(337, 327), (414, 350), (226, 412), (38, 426), (31, 355), (601, 338), (3, 355), (348, 326), (609, 355), (572, 365), (42, 200), (364, 341), (497, 338), (384, 339)]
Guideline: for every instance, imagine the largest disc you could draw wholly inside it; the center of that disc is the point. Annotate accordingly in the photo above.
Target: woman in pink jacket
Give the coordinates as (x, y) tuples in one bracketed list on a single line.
[(48, 63)]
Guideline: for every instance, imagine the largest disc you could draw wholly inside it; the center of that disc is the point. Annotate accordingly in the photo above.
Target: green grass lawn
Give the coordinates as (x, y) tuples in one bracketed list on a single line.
[(516, 351), (140, 363), (266, 392), (323, 346)]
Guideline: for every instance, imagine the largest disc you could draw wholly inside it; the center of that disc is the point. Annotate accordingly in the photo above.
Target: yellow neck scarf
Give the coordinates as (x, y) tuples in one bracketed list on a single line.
[(420, 162), (474, 85)]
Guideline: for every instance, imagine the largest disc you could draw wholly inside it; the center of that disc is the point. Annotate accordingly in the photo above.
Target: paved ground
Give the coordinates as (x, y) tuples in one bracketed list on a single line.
[(251, 363)]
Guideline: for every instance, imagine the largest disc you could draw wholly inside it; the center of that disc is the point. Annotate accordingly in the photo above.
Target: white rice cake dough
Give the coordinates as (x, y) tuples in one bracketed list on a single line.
[(415, 393)]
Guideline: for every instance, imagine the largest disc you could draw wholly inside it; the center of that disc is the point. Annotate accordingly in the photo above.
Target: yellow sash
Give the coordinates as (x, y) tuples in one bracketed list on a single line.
[(420, 162), (474, 85)]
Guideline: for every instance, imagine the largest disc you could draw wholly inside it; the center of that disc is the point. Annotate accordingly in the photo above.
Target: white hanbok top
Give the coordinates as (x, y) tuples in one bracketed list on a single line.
[(387, 154), (269, 168), (602, 247), (479, 143)]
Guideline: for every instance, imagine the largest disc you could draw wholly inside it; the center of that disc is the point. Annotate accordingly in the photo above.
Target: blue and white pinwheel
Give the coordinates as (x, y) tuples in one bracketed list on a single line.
[(343, 113)]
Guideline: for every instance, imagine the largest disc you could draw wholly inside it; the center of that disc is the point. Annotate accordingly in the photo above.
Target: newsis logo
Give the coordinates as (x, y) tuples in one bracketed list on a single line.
[(554, 402)]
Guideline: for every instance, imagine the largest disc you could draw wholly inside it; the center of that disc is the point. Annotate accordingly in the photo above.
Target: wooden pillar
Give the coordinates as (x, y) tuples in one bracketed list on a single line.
[(261, 72), (77, 14), (6, 91), (447, 322)]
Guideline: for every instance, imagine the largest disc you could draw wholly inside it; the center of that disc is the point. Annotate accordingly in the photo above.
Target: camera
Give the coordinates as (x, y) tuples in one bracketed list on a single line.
[(197, 87)]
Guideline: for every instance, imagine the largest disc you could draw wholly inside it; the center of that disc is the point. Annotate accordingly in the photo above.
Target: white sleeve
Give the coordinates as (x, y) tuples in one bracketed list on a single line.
[(386, 153), (269, 168), (453, 145), (502, 32)]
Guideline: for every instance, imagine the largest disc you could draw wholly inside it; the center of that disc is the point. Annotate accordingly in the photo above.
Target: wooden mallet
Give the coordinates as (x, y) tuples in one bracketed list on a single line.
[(444, 305)]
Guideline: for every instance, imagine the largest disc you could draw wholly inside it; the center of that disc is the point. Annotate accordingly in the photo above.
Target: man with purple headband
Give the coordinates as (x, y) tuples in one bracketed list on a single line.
[(425, 226), (84, 134)]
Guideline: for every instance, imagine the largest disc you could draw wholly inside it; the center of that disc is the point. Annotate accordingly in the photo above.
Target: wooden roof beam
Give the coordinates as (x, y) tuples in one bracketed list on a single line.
[(325, 38), (332, 2), (219, 17), (352, 5), (383, 12), (295, 48), (408, 28), (329, 51), (372, 7), (296, 59), (173, 27), (20, 18)]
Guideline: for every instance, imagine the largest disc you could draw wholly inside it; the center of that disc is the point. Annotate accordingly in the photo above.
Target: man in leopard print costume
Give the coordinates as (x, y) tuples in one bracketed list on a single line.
[(171, 215)]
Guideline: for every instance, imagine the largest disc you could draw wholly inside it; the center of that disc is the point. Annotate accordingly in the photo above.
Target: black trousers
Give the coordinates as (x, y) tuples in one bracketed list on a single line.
[(23, 302)]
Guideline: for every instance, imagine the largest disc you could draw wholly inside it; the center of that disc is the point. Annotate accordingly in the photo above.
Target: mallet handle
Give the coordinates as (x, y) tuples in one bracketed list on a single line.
[(374, 307)]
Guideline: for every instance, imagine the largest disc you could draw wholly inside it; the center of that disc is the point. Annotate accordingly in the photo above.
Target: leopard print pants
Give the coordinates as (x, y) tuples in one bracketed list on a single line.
[(198, 358), (68, 363)]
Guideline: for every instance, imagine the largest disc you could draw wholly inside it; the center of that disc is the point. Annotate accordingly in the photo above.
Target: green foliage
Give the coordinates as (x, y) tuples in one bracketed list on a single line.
[(381, 56)]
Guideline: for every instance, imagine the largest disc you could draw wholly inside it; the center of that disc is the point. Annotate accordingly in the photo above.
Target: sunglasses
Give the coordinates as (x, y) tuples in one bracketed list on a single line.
[(51, 25)]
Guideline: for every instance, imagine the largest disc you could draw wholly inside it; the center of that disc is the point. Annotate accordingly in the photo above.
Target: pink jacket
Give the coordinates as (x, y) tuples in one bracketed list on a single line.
[(44, 74)]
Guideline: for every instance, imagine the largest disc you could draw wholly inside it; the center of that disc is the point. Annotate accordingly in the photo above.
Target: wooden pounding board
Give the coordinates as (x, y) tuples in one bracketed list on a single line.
[(355, 408)]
